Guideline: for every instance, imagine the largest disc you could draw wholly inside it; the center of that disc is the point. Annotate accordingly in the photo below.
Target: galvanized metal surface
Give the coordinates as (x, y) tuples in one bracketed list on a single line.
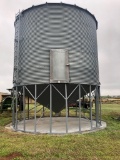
[(58, 94), (63, 124), (59, 66), (56, 43), (55, 26)]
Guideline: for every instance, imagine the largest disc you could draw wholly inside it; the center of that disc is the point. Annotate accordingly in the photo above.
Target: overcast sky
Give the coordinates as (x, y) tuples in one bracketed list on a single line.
[(106, 12)]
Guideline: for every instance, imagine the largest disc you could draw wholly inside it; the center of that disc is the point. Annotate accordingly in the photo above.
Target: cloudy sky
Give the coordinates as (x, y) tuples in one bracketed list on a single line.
[(106, 12)]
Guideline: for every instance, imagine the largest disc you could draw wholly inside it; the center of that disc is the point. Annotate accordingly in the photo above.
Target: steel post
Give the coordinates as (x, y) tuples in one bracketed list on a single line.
[(79, 108), (24, 106), (13, 109), (90, 106), (97, 106), (16, 117), (35, 109), (50, 108), (66, 102)]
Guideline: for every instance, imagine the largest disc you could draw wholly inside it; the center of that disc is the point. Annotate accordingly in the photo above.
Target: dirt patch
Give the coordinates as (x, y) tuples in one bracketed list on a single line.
[(11, 156)]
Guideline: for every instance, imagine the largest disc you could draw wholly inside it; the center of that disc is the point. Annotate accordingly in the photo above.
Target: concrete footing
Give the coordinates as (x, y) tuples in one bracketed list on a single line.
[(59, 125)]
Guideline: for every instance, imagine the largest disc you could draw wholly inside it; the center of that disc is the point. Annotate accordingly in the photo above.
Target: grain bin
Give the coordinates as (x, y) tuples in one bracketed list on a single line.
[(56, 59)]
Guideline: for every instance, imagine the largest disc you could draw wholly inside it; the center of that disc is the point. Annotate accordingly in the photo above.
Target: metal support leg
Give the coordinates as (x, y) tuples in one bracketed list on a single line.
[(24, 106), (97, 106), (90, 106), (66, 102), (13, 110), (79, 108), (16, 117), (50, 108), (35, 109)]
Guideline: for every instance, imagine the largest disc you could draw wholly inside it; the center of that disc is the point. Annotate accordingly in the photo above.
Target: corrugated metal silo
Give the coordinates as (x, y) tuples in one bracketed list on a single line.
[(56, 26), (56, 43)]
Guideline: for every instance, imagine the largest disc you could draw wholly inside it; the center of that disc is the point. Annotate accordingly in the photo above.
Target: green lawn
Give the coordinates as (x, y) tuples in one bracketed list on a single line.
[(101, 145)]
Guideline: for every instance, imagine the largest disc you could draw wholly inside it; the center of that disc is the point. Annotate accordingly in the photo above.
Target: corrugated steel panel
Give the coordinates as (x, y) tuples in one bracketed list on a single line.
[(56, 26)]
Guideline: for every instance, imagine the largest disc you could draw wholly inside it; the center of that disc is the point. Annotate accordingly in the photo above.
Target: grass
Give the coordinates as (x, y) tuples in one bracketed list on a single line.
[(102, 145)]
